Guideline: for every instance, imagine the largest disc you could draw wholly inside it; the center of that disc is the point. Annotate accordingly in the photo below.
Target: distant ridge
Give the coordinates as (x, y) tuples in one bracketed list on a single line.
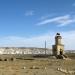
[(69, 51), (24, 50)]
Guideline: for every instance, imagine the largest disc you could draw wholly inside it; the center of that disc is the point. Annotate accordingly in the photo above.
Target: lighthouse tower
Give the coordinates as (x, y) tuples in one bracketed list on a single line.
[(58, 48)]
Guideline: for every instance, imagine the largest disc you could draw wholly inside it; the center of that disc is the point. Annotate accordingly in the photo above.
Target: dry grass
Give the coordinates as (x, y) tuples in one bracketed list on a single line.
[(38, 66)]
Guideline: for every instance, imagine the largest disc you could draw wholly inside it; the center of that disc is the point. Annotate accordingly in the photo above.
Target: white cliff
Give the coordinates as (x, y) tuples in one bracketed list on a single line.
[(22, 50)]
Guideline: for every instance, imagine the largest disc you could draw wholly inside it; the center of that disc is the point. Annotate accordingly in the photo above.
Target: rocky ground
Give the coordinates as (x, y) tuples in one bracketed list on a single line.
[(37, 66)]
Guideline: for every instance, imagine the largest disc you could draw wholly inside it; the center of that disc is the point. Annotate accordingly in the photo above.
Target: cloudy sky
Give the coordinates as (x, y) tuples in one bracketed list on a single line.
[(28, 23)]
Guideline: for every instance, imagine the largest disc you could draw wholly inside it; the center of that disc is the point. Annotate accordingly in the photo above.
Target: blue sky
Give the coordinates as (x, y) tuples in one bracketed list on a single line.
[(30, 22)]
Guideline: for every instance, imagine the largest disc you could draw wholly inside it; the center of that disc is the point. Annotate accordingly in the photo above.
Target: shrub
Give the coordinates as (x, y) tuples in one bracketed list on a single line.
[(12, 59), (0, 59), (5, 59)]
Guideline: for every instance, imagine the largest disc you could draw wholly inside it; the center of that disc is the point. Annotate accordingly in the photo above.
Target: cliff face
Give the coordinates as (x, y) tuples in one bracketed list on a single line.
[(16, 50)]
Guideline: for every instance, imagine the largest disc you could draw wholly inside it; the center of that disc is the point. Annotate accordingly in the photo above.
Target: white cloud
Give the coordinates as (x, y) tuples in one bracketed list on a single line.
[(61, 20), (29, 13), (38, 41), (46, 16), (69, 40), (23, 41)]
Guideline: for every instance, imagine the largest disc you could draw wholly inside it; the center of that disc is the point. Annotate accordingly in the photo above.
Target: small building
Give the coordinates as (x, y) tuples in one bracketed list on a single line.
[(58, 48)]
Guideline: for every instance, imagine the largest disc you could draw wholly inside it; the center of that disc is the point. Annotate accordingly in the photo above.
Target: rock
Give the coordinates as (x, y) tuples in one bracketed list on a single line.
[(24, 67), (34, 67), (45, 68), (62, 70)]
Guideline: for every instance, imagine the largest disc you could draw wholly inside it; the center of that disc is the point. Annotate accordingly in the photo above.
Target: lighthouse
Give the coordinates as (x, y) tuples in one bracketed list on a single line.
[(58, 48)]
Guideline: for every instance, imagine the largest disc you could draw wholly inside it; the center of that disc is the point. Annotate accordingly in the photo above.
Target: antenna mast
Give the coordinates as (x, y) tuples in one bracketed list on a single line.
[(45, 47)]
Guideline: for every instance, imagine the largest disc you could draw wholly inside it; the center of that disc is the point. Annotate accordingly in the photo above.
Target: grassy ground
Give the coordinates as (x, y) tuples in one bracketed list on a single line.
[(35, 66)]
